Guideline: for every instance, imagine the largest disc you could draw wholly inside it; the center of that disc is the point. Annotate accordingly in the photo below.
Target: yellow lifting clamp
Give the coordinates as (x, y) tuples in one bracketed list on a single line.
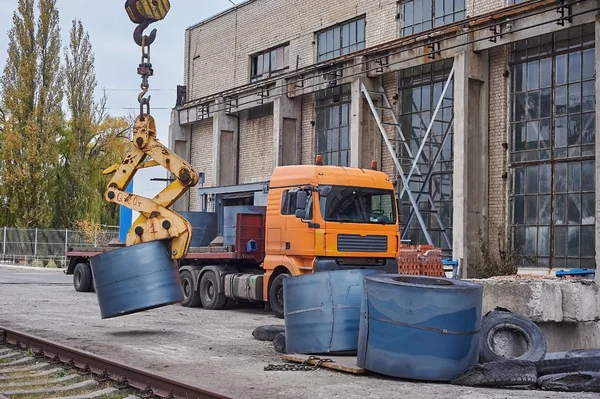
[(156, 221)]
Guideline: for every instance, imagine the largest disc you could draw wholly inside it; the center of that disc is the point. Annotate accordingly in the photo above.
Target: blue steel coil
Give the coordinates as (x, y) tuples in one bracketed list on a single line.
[(322, 311), (420, 328), (135, 279), (205, 227)]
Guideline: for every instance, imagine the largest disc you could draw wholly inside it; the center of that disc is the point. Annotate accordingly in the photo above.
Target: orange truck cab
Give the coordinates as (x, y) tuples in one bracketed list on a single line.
[(322, 218)]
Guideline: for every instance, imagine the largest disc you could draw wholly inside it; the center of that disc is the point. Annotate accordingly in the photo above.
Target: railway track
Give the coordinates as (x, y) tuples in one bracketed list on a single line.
[(34, 368)]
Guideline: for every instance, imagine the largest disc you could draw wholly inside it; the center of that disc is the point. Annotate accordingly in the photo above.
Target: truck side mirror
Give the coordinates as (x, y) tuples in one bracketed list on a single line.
[(301, 197), (324, 192), (300, 213)]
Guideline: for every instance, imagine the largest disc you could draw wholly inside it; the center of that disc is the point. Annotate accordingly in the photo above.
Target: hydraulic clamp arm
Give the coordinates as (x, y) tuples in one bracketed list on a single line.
[(155, 222)]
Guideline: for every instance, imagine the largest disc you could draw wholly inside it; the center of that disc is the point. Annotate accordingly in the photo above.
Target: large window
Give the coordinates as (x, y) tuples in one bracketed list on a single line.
[(552, 149), (421, 88), (333, 125), (341, 39), (421, 15), (269, 63), (350, 204)]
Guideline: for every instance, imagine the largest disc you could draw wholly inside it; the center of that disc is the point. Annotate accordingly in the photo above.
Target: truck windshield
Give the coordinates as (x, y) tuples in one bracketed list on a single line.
[(358, 205)]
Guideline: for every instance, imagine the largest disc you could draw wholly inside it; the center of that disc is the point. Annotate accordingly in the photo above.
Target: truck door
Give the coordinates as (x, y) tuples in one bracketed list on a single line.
[(298, 237)]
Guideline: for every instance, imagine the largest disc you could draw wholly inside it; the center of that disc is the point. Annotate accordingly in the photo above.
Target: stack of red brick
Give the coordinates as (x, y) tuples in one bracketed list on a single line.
[(421, 260)]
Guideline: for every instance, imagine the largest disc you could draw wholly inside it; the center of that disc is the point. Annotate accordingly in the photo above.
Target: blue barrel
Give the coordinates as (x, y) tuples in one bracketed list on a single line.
[(322, 311), (420, 328), (136, 278), (205, 227)]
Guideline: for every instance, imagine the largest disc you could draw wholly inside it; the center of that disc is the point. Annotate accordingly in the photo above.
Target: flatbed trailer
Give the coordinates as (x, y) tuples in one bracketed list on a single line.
[(213, 277)]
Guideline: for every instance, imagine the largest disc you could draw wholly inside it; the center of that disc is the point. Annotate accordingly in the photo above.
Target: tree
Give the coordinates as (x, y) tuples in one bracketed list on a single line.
[(32, 119), (92, 140)]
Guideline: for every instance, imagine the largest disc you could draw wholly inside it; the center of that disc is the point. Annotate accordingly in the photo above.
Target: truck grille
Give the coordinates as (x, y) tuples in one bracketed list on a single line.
[(358, 243)]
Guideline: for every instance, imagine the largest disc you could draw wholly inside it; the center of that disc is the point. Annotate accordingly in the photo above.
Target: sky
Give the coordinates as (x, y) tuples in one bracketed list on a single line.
[(117, 57)]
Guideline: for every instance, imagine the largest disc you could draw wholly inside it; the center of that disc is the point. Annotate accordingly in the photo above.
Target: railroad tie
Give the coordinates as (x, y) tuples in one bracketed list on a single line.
[(23, 360), (21, 384), (43, 373), (95, 394), (8, 355), (79, 385), (23, 369)]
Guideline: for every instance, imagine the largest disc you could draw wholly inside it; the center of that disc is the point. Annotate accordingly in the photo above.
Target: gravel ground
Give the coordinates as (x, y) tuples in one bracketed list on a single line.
[(211, 349)]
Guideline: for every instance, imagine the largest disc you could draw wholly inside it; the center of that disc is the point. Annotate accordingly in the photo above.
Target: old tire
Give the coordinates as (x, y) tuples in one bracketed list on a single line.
[(82, 277), (503, 373), (496, 344), (191, 296), (279, 343), (583, 353), (568, 365), (209, 294), (276, 295), (267, 333), (570, 382)]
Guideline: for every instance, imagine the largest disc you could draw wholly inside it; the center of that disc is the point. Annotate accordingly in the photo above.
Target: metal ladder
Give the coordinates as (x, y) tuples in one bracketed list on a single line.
[(422, 180)]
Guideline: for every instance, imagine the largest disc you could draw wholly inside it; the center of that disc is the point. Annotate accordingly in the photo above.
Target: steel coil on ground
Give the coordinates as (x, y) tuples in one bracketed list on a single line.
[(135, 278), (322, 311), (421, 328)]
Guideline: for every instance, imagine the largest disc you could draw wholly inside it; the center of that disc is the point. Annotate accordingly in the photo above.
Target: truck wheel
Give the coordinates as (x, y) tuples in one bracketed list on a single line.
[(209, 294), (276, 295), (191, 296), (82, 277)]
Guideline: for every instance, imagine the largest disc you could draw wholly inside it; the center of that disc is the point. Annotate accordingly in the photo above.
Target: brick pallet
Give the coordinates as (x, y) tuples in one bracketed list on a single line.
[(421, 260)]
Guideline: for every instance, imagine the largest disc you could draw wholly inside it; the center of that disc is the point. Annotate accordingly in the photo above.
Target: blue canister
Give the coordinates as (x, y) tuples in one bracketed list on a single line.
[(421, 328), (322, 311), (135, 278)]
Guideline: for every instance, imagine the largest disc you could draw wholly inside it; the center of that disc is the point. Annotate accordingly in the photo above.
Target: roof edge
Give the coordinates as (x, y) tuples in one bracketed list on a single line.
[(219, 15)]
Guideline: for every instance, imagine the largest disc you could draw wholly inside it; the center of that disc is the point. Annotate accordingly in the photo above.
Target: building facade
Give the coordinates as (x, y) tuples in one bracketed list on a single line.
[(488, 105)]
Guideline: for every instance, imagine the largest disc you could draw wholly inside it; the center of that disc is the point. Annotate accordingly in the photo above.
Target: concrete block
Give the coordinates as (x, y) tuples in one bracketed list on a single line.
[(569, 336), (544, 300)]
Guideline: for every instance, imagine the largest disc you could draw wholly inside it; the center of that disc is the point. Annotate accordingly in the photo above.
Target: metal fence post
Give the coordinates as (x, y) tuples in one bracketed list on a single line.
[(4, 243), (35, 243)]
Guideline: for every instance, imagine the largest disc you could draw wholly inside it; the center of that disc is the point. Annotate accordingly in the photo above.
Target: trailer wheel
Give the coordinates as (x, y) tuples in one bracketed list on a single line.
[(276, 295), (191, 296), (82, 277), (209, 293)]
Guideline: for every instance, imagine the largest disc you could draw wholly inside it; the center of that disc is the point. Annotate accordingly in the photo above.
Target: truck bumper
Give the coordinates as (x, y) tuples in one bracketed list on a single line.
[(388, 265)]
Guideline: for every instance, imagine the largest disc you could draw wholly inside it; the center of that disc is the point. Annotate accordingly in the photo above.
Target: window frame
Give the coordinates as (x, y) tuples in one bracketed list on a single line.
[(548, 186), (338, 102), (434, 20), (343, 48), (255, 76)]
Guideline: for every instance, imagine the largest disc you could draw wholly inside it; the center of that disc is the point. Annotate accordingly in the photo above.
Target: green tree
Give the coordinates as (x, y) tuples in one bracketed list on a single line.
[(32, 119)]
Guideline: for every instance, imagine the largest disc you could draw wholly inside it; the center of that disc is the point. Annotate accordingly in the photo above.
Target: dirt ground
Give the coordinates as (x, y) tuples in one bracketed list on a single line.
[(211, 349)]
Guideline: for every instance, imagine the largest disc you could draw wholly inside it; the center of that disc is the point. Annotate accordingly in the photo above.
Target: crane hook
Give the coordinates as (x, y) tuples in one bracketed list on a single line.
[(138, 34)]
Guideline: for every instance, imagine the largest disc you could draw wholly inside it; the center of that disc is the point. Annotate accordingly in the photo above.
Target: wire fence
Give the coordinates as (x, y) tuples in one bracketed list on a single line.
[(47, 247)]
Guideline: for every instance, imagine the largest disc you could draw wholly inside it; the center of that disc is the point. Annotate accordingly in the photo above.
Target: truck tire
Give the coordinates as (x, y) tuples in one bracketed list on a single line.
[(567, 365), (276, 295), (521, 330), (209, 294), (82, 277), (581, 381), (191, 296), (504, 373)]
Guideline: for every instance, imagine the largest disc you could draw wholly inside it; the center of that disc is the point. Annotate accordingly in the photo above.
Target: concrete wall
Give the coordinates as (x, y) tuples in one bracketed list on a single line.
[(220, 49)]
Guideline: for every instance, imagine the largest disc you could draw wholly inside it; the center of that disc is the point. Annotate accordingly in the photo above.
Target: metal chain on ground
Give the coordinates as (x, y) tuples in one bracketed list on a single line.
[(304, 366)]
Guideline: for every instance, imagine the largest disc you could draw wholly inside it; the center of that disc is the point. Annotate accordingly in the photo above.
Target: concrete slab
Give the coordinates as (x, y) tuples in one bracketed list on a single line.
[(544, 300)]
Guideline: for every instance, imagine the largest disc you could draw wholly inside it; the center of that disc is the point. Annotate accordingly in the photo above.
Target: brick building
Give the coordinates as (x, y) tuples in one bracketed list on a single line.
[(276, 82)]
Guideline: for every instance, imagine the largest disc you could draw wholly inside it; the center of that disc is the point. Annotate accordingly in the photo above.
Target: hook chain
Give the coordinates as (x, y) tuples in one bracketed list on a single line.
[(145, 70)]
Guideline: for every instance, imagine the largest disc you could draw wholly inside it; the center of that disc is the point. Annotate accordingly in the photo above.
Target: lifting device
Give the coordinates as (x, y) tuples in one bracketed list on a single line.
[(156, 221)]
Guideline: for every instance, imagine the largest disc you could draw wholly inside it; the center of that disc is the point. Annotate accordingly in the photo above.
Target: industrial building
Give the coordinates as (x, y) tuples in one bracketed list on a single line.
[(491, 101)]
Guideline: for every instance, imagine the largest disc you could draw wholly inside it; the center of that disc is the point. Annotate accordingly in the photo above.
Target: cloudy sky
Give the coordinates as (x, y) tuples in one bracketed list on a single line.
[(117, 57)]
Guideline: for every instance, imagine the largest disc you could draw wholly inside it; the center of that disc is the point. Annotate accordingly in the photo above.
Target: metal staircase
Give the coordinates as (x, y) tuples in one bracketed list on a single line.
[(415, 176)]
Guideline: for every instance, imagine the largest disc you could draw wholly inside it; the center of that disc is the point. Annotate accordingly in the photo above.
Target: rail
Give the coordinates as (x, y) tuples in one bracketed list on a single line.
[(102, 368)]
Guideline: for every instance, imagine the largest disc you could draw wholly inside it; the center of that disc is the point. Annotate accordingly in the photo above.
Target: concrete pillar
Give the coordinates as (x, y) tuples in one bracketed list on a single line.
[(180, 142), (597, 153), (471, 103), (224, 124), (287, 127), (358, 119)]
